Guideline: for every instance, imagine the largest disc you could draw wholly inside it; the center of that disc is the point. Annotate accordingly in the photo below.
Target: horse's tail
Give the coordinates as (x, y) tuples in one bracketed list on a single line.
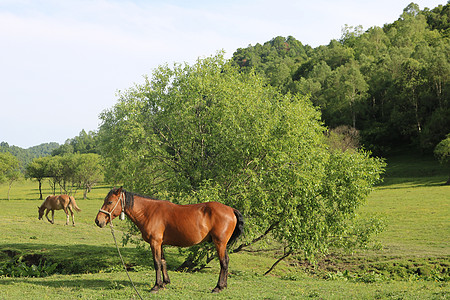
[(239, 229), (74, 204)]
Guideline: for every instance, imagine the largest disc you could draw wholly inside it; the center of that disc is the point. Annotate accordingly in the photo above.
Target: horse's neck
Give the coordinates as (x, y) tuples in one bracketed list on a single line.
[(44, 204), (141, 207)]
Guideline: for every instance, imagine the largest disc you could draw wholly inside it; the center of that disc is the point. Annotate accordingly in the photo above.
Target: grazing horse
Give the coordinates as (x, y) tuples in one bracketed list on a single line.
[(56, 202), (165, 223)]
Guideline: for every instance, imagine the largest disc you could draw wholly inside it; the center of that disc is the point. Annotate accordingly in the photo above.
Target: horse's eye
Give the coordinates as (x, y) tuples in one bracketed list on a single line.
[(109, 202)]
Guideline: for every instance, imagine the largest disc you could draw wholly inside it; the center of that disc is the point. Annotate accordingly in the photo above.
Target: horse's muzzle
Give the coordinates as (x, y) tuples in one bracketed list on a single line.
[(99, 224)]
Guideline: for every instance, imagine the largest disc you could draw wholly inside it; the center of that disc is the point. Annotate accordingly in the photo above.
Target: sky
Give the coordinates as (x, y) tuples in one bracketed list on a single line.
[(63, 62)]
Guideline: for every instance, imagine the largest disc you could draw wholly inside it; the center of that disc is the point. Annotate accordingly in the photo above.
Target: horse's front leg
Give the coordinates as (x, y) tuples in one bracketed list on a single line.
[(46, 215), (156, 251), (165, 274)]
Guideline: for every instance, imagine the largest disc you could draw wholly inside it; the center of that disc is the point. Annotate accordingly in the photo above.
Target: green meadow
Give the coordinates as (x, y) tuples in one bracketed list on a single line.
[(412, 261)]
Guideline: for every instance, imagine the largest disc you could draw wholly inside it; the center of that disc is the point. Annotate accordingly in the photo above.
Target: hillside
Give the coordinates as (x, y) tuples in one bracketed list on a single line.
[(390, 83), (26, 155)]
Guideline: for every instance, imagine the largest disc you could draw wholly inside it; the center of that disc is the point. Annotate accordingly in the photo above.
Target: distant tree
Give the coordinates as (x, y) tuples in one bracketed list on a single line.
[(9, 169), (442, 152), (346, 90), (55, 173), (438, 18), (405, 65), (13, 176), (25, 156), (38, 170), (88, 171), (343, 138), (83, 143)]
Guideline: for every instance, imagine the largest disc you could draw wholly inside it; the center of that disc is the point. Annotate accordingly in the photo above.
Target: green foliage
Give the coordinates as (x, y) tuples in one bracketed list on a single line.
[(70, 172), (391, 83), (19, 267), (8, 164), (9, 169), (25, 156), (82, 144), (208, 132), (442, 152)]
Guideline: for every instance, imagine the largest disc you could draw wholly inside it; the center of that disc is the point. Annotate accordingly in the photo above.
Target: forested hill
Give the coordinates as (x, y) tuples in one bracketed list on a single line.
[(390, 83), (26, 155)]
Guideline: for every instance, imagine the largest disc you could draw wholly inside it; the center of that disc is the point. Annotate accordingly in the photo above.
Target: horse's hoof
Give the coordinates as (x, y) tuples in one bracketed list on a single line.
[(216, 290)]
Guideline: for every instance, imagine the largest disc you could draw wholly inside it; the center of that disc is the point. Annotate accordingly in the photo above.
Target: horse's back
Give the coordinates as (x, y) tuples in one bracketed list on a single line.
[(212, 212), (49, 202), (57, 202), (64, 198), (191, 224)]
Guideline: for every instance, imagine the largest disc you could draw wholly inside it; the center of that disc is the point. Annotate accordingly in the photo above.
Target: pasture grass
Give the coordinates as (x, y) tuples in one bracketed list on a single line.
[(412, 264)]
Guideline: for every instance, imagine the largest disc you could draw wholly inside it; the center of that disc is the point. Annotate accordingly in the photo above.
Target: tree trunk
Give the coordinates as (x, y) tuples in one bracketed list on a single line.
[(40, 189)]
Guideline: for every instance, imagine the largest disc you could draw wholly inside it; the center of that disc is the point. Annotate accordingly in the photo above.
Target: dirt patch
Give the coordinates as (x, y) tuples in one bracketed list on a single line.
[(384, 268), (10, 253)]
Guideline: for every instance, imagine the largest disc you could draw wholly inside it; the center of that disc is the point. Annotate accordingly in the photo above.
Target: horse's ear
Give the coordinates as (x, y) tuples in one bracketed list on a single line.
[(119, 190)]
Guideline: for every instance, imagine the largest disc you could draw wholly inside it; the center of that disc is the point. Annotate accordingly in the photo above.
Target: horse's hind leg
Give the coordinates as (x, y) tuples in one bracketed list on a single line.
[(67, 215), (71, 212), (221, 248)]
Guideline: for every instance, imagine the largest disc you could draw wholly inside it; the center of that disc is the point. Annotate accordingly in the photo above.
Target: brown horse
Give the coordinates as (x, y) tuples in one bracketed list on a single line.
[(165, 223), (56, 202)]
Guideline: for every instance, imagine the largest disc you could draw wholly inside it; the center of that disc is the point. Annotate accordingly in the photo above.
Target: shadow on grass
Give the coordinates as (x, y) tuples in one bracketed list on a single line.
[(82, 258), (402, 182), (79, 283), (75, 259)]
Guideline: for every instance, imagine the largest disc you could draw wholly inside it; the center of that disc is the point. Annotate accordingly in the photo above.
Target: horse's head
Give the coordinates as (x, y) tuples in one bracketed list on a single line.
[(112, 207), (41, 211)]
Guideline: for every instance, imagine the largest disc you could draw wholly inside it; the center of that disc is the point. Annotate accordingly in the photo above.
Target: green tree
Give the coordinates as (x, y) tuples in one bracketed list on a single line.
[(442, 152), (83, 143), (88, 171), (9, 169), (38, 170), (55, 173), (208, 132), (404, 64), (346, 90)]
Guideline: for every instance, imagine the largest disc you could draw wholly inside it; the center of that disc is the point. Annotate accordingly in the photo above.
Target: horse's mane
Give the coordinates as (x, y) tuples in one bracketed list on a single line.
[(43, 202), (129, 197)]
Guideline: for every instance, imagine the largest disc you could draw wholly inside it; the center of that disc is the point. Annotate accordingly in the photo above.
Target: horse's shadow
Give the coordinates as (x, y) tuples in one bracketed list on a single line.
[(93, 284), (74, 259)]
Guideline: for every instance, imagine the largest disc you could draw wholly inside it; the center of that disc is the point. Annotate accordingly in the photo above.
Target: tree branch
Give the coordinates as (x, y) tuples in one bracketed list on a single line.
[(271, 227), (278, 261)]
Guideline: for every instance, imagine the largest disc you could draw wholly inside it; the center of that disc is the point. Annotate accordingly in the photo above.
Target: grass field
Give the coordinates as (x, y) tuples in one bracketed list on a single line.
[(412, 264)]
